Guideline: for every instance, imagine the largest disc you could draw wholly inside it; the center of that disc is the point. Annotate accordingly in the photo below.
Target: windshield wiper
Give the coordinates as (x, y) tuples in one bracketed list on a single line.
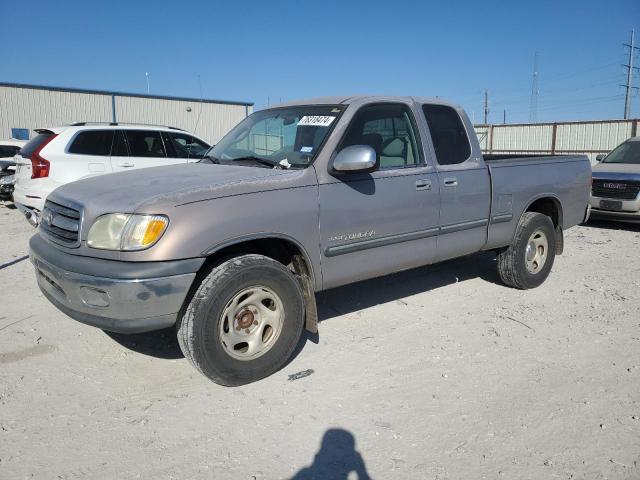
[(262, 161)]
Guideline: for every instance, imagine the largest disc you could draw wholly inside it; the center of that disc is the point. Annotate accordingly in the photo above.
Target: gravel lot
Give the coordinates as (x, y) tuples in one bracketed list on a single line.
[(435, 373)]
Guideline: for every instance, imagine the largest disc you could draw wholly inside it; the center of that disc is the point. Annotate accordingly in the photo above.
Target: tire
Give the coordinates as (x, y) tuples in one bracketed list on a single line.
[(517, 265), (252, 298)]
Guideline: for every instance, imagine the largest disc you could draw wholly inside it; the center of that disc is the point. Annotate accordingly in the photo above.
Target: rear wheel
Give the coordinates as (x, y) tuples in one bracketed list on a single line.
[(244, 320), (527, 262)]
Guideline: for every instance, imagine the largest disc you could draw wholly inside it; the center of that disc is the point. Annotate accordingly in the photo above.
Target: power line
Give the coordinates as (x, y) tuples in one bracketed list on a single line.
[(486, 107), (630, 68), (533, 103)]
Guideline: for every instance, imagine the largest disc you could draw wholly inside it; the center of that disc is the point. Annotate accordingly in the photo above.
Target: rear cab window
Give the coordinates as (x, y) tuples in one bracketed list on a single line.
[(450, 140)]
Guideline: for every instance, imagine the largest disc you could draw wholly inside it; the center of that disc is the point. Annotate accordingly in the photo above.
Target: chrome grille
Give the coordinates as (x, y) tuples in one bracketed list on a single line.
[(61, 224), (618, 189)]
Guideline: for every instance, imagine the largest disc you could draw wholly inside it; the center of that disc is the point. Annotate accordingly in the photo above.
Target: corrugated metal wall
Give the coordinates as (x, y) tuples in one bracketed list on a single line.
[(26, 107), (589, 138), (34, 108)]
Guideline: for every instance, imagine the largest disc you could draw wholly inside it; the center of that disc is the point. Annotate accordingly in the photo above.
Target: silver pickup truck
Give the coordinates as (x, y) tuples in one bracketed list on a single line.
[(296, 199)]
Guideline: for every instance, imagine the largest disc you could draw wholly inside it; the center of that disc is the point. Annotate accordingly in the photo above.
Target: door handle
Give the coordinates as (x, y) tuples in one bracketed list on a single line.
[(127, 165), (450, 181), (423, 185)]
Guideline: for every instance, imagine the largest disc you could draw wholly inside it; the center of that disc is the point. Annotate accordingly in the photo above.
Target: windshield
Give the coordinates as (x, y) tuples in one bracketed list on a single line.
[(627, 152), (287, 137)]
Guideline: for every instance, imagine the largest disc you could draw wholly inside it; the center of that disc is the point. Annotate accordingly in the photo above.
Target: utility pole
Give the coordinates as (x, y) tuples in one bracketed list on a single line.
[(146, 74), (504, 117), (486, 107), (533, 103), (629, 85)]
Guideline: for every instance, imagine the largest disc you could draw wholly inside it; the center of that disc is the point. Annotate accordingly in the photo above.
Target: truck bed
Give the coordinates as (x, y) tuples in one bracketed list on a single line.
[(518, 180)]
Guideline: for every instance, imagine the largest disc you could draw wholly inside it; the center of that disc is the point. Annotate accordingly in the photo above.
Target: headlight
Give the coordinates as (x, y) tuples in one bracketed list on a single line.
[(121, 231)]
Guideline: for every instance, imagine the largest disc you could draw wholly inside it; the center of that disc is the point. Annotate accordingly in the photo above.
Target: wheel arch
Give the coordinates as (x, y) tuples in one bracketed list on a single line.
[(279, 247), (547, 204), (550, 205)]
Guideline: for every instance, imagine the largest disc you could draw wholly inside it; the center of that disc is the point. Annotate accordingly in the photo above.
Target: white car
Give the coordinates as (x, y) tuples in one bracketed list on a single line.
[(8, 149), (60, 155)]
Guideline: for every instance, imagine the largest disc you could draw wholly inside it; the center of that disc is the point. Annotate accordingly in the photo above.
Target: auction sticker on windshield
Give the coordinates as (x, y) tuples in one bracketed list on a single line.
[(316, 121)]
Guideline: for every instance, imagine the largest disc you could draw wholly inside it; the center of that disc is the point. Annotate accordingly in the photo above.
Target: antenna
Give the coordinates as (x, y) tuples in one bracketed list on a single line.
[(533, 104), (200, 109)]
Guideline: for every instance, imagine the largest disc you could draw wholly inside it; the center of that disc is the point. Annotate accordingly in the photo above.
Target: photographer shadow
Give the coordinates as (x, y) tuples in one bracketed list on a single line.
[(336, 459)]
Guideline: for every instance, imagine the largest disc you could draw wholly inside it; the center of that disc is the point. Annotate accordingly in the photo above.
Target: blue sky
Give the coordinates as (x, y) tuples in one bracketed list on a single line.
[(264, 51)]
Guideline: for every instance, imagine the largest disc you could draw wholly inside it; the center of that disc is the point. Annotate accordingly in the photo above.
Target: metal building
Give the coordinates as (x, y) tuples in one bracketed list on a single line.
[(589, 137), (26, 107)]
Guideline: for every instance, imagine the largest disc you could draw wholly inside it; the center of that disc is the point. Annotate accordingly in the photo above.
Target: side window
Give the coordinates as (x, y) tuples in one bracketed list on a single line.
[(145, 143), (186, 146), (92, 142), (119, 148), (8, 150), (449, 137), (390, 130)]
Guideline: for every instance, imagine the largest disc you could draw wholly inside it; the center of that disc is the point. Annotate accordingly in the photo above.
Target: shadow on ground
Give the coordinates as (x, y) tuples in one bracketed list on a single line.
[(159, 344), (345, 300), (336, 459), (350, 298), (613, 225)]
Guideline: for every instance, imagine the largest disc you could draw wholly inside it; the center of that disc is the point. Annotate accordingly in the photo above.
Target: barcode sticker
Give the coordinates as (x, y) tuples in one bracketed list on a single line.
[(316, 121)]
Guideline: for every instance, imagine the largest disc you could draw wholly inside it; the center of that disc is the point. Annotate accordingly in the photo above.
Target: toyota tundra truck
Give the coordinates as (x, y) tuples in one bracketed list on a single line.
[(296, 199)]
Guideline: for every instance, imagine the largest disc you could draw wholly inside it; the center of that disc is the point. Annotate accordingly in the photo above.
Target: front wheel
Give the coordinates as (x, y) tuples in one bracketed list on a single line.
[(244, 320), (526, 263)]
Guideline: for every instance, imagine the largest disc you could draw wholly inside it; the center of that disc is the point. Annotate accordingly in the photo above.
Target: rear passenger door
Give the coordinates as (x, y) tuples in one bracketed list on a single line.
[(465, 187), (88, 155), (146, 148)]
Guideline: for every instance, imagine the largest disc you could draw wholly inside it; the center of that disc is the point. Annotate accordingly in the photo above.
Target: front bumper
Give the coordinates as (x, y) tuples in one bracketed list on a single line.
[(629, 212), (135, 296), (633, 217)]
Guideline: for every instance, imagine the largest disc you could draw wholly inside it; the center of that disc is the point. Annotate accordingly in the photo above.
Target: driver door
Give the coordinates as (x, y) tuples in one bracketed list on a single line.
[(377, 223)]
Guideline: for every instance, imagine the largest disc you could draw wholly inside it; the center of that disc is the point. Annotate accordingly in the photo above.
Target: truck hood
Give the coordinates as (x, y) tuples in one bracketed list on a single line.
[(617, 171), (158, 188)]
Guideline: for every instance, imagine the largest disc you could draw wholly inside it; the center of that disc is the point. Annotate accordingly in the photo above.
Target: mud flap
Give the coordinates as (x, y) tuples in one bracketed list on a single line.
[(559, 240), (311, 309)]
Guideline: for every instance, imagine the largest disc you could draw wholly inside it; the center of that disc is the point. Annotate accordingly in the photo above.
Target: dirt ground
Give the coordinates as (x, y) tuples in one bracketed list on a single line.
[(436, 373)]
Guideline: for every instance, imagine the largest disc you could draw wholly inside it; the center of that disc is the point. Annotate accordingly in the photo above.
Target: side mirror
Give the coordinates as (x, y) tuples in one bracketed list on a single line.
[(600, 157), (356, 158)]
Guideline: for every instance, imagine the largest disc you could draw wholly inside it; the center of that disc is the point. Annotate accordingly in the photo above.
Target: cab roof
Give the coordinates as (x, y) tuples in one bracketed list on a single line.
[(349, 99)]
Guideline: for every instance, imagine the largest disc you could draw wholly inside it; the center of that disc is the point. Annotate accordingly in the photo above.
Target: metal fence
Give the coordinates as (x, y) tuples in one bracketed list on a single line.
[(590, 138)]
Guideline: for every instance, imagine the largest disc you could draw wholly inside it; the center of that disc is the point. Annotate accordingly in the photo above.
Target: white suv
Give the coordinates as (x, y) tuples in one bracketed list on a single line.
[(60, 155)]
